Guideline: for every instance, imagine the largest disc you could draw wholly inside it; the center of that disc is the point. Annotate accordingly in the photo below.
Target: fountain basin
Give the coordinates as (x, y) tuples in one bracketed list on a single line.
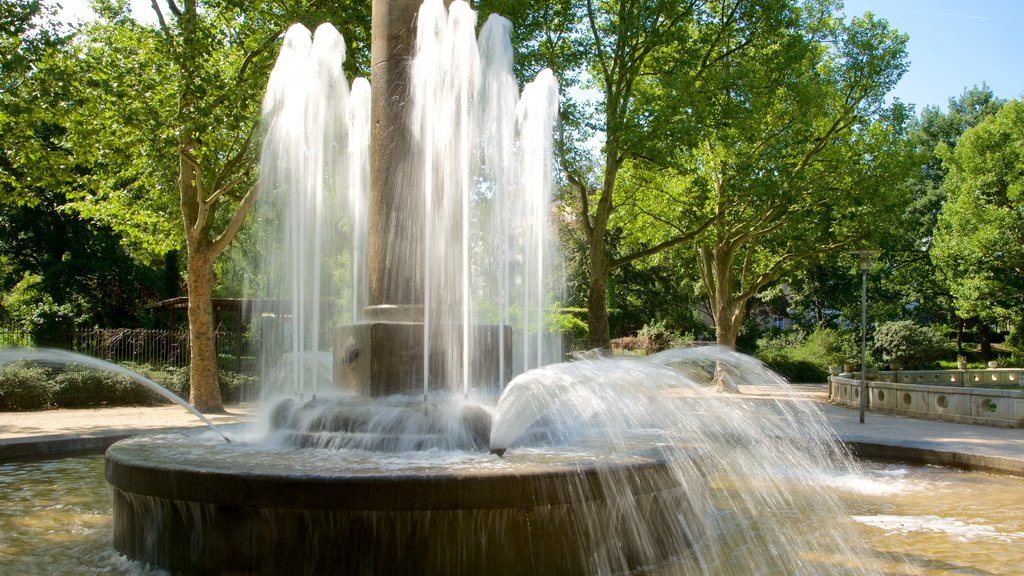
[(195, 509)]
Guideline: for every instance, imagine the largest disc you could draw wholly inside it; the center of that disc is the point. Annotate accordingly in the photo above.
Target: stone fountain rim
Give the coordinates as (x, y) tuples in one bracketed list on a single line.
[(525, 485)]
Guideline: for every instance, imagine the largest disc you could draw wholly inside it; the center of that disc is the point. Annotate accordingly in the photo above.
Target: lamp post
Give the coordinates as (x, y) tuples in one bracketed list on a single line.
[(864, 263)]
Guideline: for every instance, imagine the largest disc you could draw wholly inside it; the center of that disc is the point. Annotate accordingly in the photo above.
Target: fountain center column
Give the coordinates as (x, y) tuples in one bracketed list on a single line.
[(384, 354), (395, 210)]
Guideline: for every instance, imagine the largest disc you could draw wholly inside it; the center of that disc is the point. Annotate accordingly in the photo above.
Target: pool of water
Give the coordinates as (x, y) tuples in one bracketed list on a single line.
[(55, 519)]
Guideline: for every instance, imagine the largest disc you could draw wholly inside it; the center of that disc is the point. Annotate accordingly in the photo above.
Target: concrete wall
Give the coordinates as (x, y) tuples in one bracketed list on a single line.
[(907, 393)]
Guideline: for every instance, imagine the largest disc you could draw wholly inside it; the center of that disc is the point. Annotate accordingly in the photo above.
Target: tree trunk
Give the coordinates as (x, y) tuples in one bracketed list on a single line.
[(726, 330), (204, 391), (959, 336), (984, 342), (597, 300)]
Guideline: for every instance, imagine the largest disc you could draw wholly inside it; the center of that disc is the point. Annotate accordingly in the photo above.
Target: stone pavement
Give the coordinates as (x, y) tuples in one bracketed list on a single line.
[(57, 432), (923, 441)]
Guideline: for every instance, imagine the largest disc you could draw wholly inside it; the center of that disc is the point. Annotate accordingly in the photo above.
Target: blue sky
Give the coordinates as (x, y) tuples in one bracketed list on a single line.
[(955, 44)]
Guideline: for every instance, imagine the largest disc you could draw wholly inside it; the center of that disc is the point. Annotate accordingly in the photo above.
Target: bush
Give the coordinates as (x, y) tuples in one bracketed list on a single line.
[(238, 387), (803, 357), (830, 347), (650, 339), (1015, 340), (909, 345), (779, 343), (793, 370), (25, 387), (95, 388), (34, 312)]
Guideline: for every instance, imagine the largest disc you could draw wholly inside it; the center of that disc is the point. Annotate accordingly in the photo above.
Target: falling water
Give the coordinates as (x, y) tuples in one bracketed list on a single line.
[(482, 162), (485, 165), (312, 210), (762, 451)]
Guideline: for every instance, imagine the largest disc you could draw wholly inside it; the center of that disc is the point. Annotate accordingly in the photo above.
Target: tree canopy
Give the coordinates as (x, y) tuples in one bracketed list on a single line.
[(979, 236)]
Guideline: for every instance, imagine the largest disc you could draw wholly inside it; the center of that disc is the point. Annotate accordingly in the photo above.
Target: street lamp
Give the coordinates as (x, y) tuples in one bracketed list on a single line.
[(864, 261)]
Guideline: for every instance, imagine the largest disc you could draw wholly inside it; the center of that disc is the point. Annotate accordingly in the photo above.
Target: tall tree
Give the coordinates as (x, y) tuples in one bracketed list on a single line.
[(610, 49), (914, 275), (979, 236), (798, 156), (168, 119)]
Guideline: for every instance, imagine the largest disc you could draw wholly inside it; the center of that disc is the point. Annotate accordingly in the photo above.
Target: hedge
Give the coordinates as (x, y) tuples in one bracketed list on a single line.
[(30, 387)]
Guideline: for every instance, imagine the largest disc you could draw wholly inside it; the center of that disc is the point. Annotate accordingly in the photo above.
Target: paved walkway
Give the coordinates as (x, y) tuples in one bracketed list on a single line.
[(923, 441), (53, 432), (30, 434)]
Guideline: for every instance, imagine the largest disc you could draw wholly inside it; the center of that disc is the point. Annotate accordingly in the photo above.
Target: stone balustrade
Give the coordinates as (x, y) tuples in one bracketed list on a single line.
[(994, 397)]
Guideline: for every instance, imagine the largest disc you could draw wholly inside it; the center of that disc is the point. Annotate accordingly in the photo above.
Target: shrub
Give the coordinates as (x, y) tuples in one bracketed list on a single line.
[(909, 345), (779, 343), (650, 339), (94, 388), (25, 387), (803, 357), (793, 370), (34, 312), (1015, 340), (237, 387), (830, 347)]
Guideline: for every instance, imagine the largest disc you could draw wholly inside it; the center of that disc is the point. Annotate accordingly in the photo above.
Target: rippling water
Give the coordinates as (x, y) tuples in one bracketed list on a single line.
[(55, 519)]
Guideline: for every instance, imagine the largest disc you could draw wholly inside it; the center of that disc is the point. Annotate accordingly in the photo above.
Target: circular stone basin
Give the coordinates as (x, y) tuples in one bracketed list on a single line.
[(187, 504)]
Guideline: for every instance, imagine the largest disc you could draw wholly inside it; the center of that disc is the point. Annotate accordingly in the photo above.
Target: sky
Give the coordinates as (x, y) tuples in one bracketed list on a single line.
[(954, 44)]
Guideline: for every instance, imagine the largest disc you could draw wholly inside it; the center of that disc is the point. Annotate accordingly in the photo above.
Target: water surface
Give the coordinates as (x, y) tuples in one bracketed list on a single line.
[(55, 519)]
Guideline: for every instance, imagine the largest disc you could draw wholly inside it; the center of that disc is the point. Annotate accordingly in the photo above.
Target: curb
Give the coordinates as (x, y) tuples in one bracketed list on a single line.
[(57, 445), (925, 455)]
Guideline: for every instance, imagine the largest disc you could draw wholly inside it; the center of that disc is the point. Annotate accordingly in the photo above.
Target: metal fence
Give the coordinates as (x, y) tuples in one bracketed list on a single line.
[(144, 346), (140, 345)]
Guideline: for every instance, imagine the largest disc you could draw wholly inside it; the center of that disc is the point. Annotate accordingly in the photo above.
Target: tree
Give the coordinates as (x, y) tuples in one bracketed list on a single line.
[(612, 48), (979, 235), (78, 265), (29, 159), (167, 121), (914, 277), (797, 156)]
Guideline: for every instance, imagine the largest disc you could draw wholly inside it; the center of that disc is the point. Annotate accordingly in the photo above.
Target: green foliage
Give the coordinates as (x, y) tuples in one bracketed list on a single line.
[(238, 386), (793, 157), (92, 389), (32, 310), (1015, 340), (806, 357), (26, 387), (29, 158), (832, 346), (75, 264), (567, 322), (979, 237), (798, 371), (909, 345), (659, 287)]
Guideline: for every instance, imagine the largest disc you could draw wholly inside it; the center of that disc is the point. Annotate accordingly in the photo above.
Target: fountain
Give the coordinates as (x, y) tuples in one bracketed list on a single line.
[(436, 435)]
